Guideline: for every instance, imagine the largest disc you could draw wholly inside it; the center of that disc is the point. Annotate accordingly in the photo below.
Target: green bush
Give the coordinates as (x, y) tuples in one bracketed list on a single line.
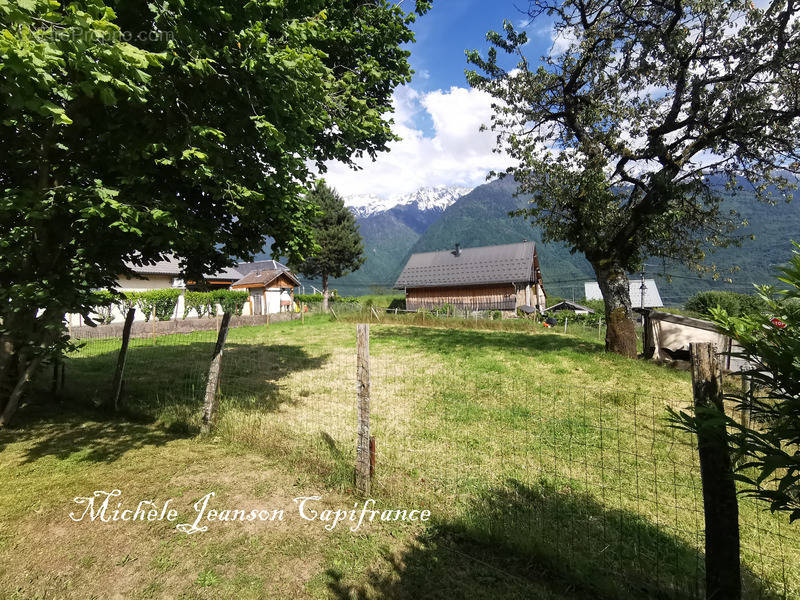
[(104, 306), (317, 298), (768, 444), (553, 300), (200, 302), (160, 302), (205, 303), (398, 303), (735, 305), (231, 301), (445, 310), (598, 306), (791, 308), (308, 298)]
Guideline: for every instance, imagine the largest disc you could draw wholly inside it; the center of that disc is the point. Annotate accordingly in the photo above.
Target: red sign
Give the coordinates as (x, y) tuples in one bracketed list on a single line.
[(778, 323)]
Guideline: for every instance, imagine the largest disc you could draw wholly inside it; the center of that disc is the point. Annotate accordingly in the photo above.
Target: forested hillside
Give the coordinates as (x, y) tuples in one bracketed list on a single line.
[(481, 218)]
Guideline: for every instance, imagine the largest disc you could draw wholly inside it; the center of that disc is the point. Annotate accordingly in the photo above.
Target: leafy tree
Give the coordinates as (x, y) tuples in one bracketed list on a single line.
[(131, 130), (767, 445), (621, 131), (734, 304), (340, 249)]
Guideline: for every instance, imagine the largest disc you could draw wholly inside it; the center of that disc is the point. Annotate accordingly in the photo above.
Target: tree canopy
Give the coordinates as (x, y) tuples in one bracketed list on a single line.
[(620, 131), (132, 130)]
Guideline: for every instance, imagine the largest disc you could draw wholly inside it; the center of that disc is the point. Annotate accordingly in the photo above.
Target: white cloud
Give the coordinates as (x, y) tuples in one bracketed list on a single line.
[(457, 153)]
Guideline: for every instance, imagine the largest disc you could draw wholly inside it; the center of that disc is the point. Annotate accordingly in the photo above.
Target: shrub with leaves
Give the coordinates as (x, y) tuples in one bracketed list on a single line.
[(734, 304), (231, 301), (767, 449), (205, 303), (162, 303), (200, 302), (104, 309)]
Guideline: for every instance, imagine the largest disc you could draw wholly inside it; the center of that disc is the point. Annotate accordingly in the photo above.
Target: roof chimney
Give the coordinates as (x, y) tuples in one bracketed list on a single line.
[(457, 251)]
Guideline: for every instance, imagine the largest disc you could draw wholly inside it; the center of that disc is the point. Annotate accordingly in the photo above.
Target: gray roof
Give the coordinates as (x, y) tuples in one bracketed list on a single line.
[(171, 266), (652, 299), (569, 305), (508, 263), (260, 265), (259, 278), (168, 266)]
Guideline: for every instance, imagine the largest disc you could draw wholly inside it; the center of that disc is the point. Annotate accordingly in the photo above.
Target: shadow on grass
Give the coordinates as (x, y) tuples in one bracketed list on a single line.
[(540, 541), (81, 434), (171, 375), (162, 399), (459, 341)]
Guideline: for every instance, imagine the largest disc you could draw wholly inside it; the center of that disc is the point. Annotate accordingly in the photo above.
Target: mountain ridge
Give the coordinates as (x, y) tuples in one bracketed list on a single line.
[(480, 217)]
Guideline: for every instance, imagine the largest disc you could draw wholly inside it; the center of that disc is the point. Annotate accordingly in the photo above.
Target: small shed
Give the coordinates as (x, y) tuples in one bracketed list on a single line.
[(573, 307), (271, 290), (502, 277), (667, 337)]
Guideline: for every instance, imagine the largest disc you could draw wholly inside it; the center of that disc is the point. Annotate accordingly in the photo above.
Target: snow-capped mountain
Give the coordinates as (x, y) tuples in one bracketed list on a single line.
[(432, 198)]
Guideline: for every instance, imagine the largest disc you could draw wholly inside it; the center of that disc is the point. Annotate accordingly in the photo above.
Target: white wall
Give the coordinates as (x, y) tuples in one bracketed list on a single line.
[(270, 302)]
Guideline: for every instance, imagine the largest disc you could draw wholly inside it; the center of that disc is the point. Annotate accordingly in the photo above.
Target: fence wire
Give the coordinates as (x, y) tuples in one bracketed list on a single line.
[(592, 485)]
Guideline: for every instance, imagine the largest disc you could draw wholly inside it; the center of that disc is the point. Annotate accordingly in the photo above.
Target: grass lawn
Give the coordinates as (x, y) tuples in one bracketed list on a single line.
[(546, 464)]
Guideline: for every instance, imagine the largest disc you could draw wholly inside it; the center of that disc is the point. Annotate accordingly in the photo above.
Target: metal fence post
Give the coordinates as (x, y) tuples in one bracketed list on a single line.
[(723, 575), (363, 391)]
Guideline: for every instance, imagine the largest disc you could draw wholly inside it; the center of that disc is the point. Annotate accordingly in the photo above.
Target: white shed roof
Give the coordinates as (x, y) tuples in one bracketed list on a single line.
[(652, 299)]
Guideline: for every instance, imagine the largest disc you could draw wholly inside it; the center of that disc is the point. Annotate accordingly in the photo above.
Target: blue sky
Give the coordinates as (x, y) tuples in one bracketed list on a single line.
[(452, 27), (438, 114)]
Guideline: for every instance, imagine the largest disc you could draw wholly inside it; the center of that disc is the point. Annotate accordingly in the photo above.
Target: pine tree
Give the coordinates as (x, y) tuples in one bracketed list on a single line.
[(340, 249)]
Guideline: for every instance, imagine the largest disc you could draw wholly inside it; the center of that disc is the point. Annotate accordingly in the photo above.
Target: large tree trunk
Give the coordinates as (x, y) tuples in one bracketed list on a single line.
[(324, 293), (620, 324), (19, 361)]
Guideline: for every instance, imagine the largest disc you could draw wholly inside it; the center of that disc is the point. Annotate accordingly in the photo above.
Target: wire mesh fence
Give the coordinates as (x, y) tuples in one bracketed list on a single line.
[(590, 483)]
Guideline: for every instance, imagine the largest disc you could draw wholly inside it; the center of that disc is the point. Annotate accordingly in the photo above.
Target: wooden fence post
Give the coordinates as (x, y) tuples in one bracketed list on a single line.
[(116, 386), (210, 403), (363, 390), (723, 576), (56, 367), (746, 408), (154, 326)]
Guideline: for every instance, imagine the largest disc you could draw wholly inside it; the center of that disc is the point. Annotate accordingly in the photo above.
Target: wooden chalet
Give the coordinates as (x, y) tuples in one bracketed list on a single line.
[(504, 277), (271, 287)]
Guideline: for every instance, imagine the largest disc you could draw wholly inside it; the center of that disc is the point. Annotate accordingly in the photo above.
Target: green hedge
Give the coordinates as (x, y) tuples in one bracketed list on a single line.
[(165, 301), (231, 301), (315, 298), (736, 305), (105, 302), (160, 302), (205, 303)]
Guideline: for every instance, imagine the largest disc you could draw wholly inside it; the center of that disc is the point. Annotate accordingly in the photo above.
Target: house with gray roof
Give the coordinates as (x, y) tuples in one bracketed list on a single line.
[(269, 283), (503, 277)]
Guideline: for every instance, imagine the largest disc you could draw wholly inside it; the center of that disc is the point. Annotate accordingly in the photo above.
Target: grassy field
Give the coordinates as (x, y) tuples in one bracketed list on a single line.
[(547, 465)]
